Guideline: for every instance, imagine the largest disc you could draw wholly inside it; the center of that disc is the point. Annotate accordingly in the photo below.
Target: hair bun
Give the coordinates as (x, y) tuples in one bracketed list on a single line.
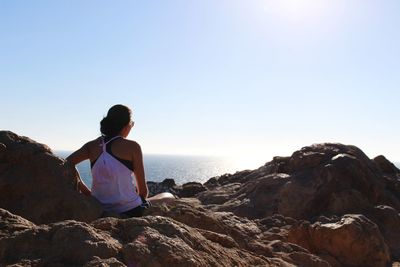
[(117, 118)]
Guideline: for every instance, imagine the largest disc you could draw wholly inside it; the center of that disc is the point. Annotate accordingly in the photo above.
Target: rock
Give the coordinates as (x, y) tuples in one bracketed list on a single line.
[(220, 194), (333, 179), (3, 150), (212, 183), (292, 211), (112, 262), (352, 241), (388, 221), (385, 165), (232, 231), (193, 214), (167, 185), (160, 241), (323, 179), (191, 189), (257, 198), (146, 241), (40, 186), (11, 224), (62, 242)]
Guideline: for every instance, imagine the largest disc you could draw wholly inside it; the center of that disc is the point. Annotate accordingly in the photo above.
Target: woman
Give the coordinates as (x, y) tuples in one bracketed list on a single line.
[(114, 162)]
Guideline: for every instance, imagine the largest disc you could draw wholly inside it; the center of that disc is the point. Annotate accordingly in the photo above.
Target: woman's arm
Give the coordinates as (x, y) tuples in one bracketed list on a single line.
[(83, 188), (81, 185), (79, 155), (75, 158), (139, 170)]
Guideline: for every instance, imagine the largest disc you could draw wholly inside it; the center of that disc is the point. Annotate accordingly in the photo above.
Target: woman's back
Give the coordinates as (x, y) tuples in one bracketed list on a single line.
[(113, 184), (120, 147), (119, 181)]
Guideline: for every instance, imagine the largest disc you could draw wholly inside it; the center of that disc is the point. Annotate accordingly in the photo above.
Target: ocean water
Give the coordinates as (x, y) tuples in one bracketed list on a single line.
[(181, 168)]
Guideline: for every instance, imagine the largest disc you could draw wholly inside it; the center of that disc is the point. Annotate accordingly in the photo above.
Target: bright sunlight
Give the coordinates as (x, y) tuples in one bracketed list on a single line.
[(297, 11)]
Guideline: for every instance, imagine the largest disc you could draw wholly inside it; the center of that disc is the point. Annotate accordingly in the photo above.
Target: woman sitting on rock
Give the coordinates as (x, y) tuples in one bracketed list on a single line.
[(114, 162)]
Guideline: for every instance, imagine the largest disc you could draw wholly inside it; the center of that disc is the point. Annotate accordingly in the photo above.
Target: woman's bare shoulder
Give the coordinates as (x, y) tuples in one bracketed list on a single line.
[(132, 144), (94, 143)]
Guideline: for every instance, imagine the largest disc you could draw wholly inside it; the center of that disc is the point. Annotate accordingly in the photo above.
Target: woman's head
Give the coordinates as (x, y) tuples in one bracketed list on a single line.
[(118, 118)]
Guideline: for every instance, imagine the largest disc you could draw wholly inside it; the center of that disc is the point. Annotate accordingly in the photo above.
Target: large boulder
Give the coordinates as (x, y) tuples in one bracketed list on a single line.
[(38, 185), (322, 179), (388, 221), (63, 242), (252, 217), (189, 189), (167, 185), (354, 240), (316, 182), (266, 237), (385, 165), (147, 241)]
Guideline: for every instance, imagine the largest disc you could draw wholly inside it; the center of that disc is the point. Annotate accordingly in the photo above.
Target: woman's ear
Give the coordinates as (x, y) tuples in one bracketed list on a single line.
[(126, 130)]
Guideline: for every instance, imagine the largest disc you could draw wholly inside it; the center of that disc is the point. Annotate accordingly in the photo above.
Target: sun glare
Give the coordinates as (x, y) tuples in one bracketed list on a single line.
[(296, 11)]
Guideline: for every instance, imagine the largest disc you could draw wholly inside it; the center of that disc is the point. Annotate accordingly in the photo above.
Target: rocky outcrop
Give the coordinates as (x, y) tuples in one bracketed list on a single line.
[(190, 189), (326, 205), (64, 242), (267, 237), (38, 185), (147, 241), (388, 221), (352, 241), (324, 179), (319, 181)]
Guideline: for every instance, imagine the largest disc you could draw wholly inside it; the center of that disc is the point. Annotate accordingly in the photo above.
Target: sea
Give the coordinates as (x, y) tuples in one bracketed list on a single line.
[(181, 168)]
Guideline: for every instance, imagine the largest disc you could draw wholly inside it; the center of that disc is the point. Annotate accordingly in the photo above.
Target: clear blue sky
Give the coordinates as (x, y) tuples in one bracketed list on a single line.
[(253, 78)]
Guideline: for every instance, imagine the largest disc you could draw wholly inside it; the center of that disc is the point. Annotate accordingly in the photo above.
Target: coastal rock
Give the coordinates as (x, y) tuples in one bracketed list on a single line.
[(302, 210), (385, 165), (146, 241), (190, 189), (231, 231), (388, 221), (38, 185), (352, 241), (159, 241), (63, 242), (10, 223), (98, 262), (167, 185), (323, 179)]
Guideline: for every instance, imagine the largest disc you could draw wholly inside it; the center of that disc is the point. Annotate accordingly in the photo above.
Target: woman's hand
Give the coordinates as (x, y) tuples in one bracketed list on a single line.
[(75, 158)]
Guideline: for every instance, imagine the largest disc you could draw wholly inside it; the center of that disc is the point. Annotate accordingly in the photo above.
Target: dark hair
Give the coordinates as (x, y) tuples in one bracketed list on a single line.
[(117, 118)]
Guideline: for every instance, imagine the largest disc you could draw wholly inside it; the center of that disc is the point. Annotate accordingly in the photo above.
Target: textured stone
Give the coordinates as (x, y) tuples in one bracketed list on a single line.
[(352, 241), (293, 211), (40, 186)]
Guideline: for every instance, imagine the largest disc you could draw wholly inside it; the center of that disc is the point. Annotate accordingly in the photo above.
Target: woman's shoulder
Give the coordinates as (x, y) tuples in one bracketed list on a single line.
[(131, 144), (95, 142)]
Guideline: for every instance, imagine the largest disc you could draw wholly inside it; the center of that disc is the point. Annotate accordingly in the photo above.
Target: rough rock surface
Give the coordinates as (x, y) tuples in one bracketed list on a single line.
[(190, 189), (326, 205), (323, 179), (147, 241), (353, 241), (38, 185)]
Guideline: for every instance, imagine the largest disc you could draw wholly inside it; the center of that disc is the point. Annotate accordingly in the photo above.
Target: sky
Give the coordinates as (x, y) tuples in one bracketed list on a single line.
[(251, 79)]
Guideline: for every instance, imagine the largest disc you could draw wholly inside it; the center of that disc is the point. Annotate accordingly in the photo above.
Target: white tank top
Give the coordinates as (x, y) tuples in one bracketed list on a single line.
[(113, 183)]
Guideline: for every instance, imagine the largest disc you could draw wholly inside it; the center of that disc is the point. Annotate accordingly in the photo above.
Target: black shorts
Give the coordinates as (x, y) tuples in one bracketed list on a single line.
[(139, 210), (135, 212)]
